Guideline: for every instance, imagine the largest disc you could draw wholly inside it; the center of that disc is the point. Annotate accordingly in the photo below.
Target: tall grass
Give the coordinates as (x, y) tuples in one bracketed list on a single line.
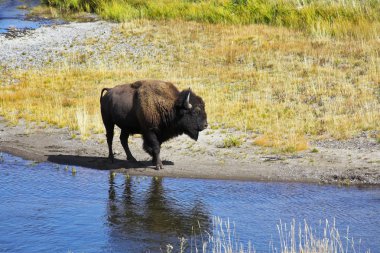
[(82, 118), (293, 238), (341, 18)]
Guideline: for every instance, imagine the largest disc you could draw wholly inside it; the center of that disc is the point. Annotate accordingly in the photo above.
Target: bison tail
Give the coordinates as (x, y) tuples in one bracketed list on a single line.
[(101, 93)]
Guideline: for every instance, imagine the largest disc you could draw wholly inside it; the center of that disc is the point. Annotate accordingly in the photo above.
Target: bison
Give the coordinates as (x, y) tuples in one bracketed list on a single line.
[(155, 109)]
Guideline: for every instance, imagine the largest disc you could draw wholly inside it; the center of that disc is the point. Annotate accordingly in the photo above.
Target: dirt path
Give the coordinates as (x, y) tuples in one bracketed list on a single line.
[(356, 161)]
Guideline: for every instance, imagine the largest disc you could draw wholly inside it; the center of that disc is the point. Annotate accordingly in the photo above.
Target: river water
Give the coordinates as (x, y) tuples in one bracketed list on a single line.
[(12, 16), (46, 207)]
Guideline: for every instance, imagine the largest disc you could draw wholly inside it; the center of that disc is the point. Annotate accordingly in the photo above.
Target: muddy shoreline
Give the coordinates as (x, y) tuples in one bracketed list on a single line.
[(335, 162)]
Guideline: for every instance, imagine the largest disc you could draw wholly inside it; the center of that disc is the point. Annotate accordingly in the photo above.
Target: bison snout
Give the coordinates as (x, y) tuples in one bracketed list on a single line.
[(203, 126)]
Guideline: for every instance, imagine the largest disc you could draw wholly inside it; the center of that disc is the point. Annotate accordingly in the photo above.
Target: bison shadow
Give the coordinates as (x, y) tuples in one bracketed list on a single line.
[(101, 163)]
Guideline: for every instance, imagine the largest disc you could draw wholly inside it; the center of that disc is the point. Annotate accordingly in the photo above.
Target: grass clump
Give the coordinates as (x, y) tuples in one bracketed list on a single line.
[(82, 121), (314, 150), (318, 17), (292, 238), (287, 142), (232, 141)]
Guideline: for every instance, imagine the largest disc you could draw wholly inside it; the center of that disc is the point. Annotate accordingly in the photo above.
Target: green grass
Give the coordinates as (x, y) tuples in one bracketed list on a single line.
[(314, 150), (232, 141), (318, 17)]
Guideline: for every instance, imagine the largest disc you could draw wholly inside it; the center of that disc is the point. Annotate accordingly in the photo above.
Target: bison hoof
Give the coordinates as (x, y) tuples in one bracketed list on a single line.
[(159, 166)]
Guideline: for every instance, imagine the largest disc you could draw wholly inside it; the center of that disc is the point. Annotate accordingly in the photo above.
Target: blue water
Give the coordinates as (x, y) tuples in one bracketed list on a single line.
[(13, 17), (47, 208)]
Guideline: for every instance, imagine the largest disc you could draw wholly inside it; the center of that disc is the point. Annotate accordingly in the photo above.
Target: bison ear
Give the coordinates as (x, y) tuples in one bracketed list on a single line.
[(187, 104)]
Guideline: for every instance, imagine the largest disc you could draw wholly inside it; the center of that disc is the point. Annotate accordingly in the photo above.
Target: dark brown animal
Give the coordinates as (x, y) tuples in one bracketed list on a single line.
[(155, 109)]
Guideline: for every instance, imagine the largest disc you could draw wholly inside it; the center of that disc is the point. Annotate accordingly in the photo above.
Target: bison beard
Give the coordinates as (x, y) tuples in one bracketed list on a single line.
[(155, 109)]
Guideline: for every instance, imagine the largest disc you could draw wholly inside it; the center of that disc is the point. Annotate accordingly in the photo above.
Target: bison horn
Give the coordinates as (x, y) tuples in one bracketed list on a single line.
[(187, 102)]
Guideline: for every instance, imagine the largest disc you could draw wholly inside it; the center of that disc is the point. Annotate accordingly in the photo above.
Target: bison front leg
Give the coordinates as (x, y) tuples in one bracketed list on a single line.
[(152, 146)]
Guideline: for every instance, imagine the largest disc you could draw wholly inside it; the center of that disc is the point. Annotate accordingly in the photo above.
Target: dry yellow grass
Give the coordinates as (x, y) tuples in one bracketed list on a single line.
[(287, 86), (293, 238)]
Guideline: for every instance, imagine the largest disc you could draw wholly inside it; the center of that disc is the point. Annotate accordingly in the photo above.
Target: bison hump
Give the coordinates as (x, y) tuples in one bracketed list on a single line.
[(156, 101), (136, 85)]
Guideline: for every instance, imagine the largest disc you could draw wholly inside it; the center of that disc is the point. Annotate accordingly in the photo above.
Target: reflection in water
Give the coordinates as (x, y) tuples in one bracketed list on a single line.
[(161, 219)]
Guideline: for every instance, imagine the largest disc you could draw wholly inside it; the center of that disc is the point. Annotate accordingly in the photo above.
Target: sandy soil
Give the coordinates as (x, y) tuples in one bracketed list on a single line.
[(356, 161)]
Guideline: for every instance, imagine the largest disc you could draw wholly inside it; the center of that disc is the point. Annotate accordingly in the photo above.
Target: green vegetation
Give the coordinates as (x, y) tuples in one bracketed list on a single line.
[(339, 18), (112, 175), (232, 141), (314, 150)]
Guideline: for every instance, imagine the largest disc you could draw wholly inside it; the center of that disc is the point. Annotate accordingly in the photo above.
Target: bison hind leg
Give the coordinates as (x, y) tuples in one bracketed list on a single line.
[(109, 135), (124, 142)]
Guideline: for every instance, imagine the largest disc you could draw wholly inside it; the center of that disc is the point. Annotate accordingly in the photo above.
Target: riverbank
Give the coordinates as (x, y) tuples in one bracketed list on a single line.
[(351, 162)]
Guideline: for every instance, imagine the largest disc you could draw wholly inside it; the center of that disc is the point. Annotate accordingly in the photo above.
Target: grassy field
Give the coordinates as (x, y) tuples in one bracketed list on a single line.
[(340, 18), (285, 86), (318, 78)]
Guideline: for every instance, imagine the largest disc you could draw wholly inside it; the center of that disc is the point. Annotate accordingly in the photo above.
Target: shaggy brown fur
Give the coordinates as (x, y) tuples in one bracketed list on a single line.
[(155, 100)]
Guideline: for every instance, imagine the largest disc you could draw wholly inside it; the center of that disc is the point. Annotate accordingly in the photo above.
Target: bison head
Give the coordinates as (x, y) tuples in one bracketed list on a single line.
[(191, 113)]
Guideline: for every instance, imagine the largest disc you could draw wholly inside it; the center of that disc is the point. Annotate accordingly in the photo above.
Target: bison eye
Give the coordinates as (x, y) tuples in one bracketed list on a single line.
[(197, 110)]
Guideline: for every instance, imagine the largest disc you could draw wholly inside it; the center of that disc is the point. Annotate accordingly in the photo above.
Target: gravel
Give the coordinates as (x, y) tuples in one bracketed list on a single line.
[(74, 43)]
